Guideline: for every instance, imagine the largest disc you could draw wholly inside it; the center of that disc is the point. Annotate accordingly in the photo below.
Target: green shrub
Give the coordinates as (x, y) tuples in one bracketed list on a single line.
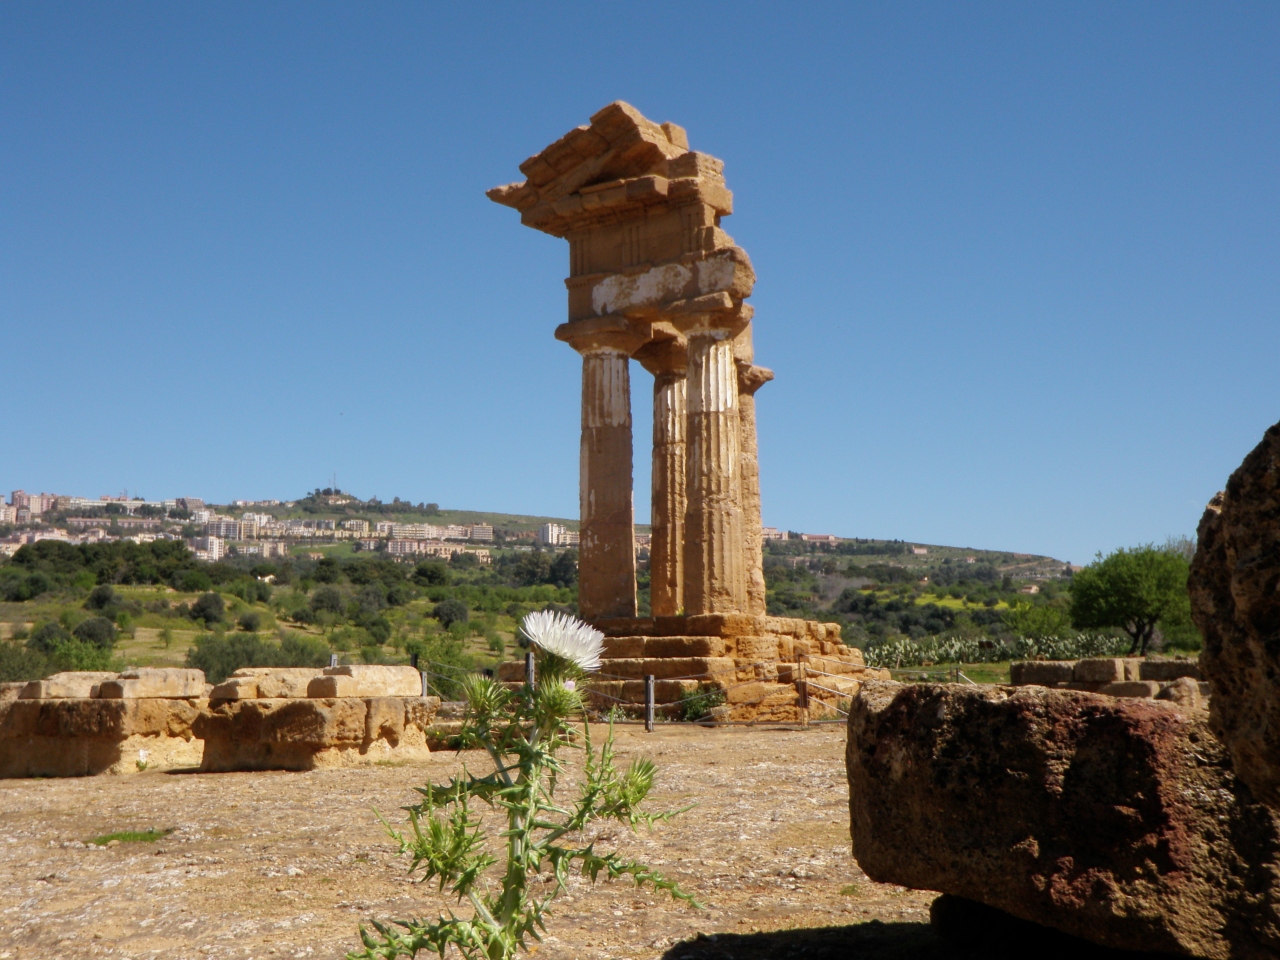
[(100, 598), (221, 656), (696, 704), (192, 580), (451, 611), (77, 654), (47, 636), (20, 662), (250, 622), (98, 631), (326, 599), (209, 607)]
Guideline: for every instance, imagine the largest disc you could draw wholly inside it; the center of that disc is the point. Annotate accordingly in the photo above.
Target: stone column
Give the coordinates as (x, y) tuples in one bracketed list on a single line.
[(606, 548), (666, 360), (750, 379), (714, 574)]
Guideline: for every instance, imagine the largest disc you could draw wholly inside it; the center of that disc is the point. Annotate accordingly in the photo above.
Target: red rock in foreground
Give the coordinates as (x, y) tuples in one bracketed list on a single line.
[(1118, 821), (1235, 603)]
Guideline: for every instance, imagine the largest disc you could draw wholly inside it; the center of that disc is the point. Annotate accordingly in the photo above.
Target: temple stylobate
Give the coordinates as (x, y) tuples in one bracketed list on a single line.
[(653, 277)]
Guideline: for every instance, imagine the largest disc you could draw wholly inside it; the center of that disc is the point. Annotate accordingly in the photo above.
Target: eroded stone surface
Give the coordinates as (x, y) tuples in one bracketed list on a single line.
[(85, 736), (366, 680), (313, 733), (1114, 820), (154, 682), (1236, 605)]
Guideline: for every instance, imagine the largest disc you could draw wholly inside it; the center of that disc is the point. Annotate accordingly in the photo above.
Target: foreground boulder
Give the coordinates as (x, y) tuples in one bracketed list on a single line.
[(1118, 821), (1236, 605)]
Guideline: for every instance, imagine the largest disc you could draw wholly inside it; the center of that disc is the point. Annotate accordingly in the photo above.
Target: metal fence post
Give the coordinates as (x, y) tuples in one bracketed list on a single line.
[(426, 682), (648, 703), (529, 677), (333, 660)]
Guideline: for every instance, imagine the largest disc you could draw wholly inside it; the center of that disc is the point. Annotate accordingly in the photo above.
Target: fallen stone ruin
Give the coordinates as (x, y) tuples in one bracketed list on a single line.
[(654, 278), (81, 724), (1174, 680), (1141, 814)]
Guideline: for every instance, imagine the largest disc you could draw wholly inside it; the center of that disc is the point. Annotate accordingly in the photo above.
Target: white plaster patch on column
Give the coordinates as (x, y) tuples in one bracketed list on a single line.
[(715, 273), (669, 414), (623, 291), (716, 389), (606, 390)]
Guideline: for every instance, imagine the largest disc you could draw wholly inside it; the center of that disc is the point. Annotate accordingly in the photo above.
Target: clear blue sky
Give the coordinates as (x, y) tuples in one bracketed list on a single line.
[(1019, 264)]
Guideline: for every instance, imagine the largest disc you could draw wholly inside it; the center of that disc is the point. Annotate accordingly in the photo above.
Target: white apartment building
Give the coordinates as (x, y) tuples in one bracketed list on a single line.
[(555, 535), (358, 527), (223, 527), (481, 531), (207, 548)]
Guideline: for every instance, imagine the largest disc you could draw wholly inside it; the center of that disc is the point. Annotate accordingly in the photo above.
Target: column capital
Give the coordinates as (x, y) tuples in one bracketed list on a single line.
[(751, 378), (719, 318), (665, 358), (602, 335)]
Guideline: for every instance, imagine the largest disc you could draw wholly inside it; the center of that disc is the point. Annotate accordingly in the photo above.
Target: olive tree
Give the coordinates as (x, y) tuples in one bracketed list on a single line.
[(1132, 589)]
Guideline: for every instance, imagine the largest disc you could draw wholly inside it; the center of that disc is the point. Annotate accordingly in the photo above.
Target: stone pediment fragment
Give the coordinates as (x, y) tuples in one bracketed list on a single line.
[(621, 162)]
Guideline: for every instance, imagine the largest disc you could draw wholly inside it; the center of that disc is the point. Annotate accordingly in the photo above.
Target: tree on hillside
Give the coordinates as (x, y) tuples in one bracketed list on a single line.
[(1133, 589)]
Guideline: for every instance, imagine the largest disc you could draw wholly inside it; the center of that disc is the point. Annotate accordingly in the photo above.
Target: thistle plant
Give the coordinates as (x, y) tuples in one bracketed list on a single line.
[(450, 837)]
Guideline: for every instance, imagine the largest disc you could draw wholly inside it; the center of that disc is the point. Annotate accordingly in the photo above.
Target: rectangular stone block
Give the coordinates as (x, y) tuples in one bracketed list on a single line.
[(1131, 688), (512, 671), (668, 668), (1169, 669), (623, 647), (277, 682), (755, 648), (11, 691), (368, 680), (77, 683), (1105, 670), (152, 682), (1082, 686), (1042, 673), (235, 688), (758, 692), (684, 647)]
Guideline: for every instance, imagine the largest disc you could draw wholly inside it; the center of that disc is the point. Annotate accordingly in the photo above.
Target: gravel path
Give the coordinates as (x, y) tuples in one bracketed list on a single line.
[(287, 864)]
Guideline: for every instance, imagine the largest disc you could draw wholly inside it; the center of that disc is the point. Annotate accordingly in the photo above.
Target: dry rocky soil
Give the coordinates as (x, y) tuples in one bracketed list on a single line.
[(287, 864)]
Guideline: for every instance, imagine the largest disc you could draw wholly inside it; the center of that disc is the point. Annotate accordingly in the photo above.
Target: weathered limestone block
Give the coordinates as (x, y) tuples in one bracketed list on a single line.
[(1043, 673), (1164, 670), (1107, 669), (1130, 688), (11, 691), (276, 681), (313, 733), (366, 680), (76, 683), (1118, 821), (1235, 604), (1184, 693), (75, 737), (235, 688), (154, 682)]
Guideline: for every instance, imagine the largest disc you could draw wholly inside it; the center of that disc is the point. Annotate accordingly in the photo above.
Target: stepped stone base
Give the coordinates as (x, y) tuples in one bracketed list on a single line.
[(77, 737), (315, 733), (754, 661)]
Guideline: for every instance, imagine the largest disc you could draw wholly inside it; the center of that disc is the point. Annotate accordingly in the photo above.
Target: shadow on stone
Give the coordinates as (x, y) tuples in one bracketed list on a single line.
[(974, 929), (960, 930)]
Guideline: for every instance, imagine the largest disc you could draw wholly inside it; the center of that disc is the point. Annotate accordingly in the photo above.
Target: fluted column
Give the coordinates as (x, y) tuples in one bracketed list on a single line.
[(606, 548), (750, 379), (714, 574), (666, 360)]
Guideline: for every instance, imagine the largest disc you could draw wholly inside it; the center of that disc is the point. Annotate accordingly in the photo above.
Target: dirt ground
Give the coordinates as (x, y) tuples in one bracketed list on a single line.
[(287, 864)]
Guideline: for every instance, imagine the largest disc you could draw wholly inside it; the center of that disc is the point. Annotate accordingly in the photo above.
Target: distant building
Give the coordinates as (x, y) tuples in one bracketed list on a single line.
[(454, 532), (643, 540), (773, 533), (6, 513), (190, 503), (273, 548), (920, 551), (555, 535), (819, 538), (19, 498), (209, 549), (371, 543), (225, 528), (481, 531), (1029, 588), (359, 527), (416, 531), (383, 529)]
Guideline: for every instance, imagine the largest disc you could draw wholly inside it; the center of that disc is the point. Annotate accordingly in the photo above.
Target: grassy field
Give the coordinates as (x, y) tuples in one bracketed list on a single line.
[(945, 673)]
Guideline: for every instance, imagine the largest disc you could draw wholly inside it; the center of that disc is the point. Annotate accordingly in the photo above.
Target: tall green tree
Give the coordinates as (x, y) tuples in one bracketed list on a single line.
[(1133, 589)]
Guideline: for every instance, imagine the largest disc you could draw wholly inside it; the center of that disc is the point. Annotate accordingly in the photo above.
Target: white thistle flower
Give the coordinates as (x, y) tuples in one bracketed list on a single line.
[(566, 637)]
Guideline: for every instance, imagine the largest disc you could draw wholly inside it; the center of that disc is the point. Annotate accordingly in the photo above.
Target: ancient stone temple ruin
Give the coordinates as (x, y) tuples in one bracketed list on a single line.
[(654, 278)]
